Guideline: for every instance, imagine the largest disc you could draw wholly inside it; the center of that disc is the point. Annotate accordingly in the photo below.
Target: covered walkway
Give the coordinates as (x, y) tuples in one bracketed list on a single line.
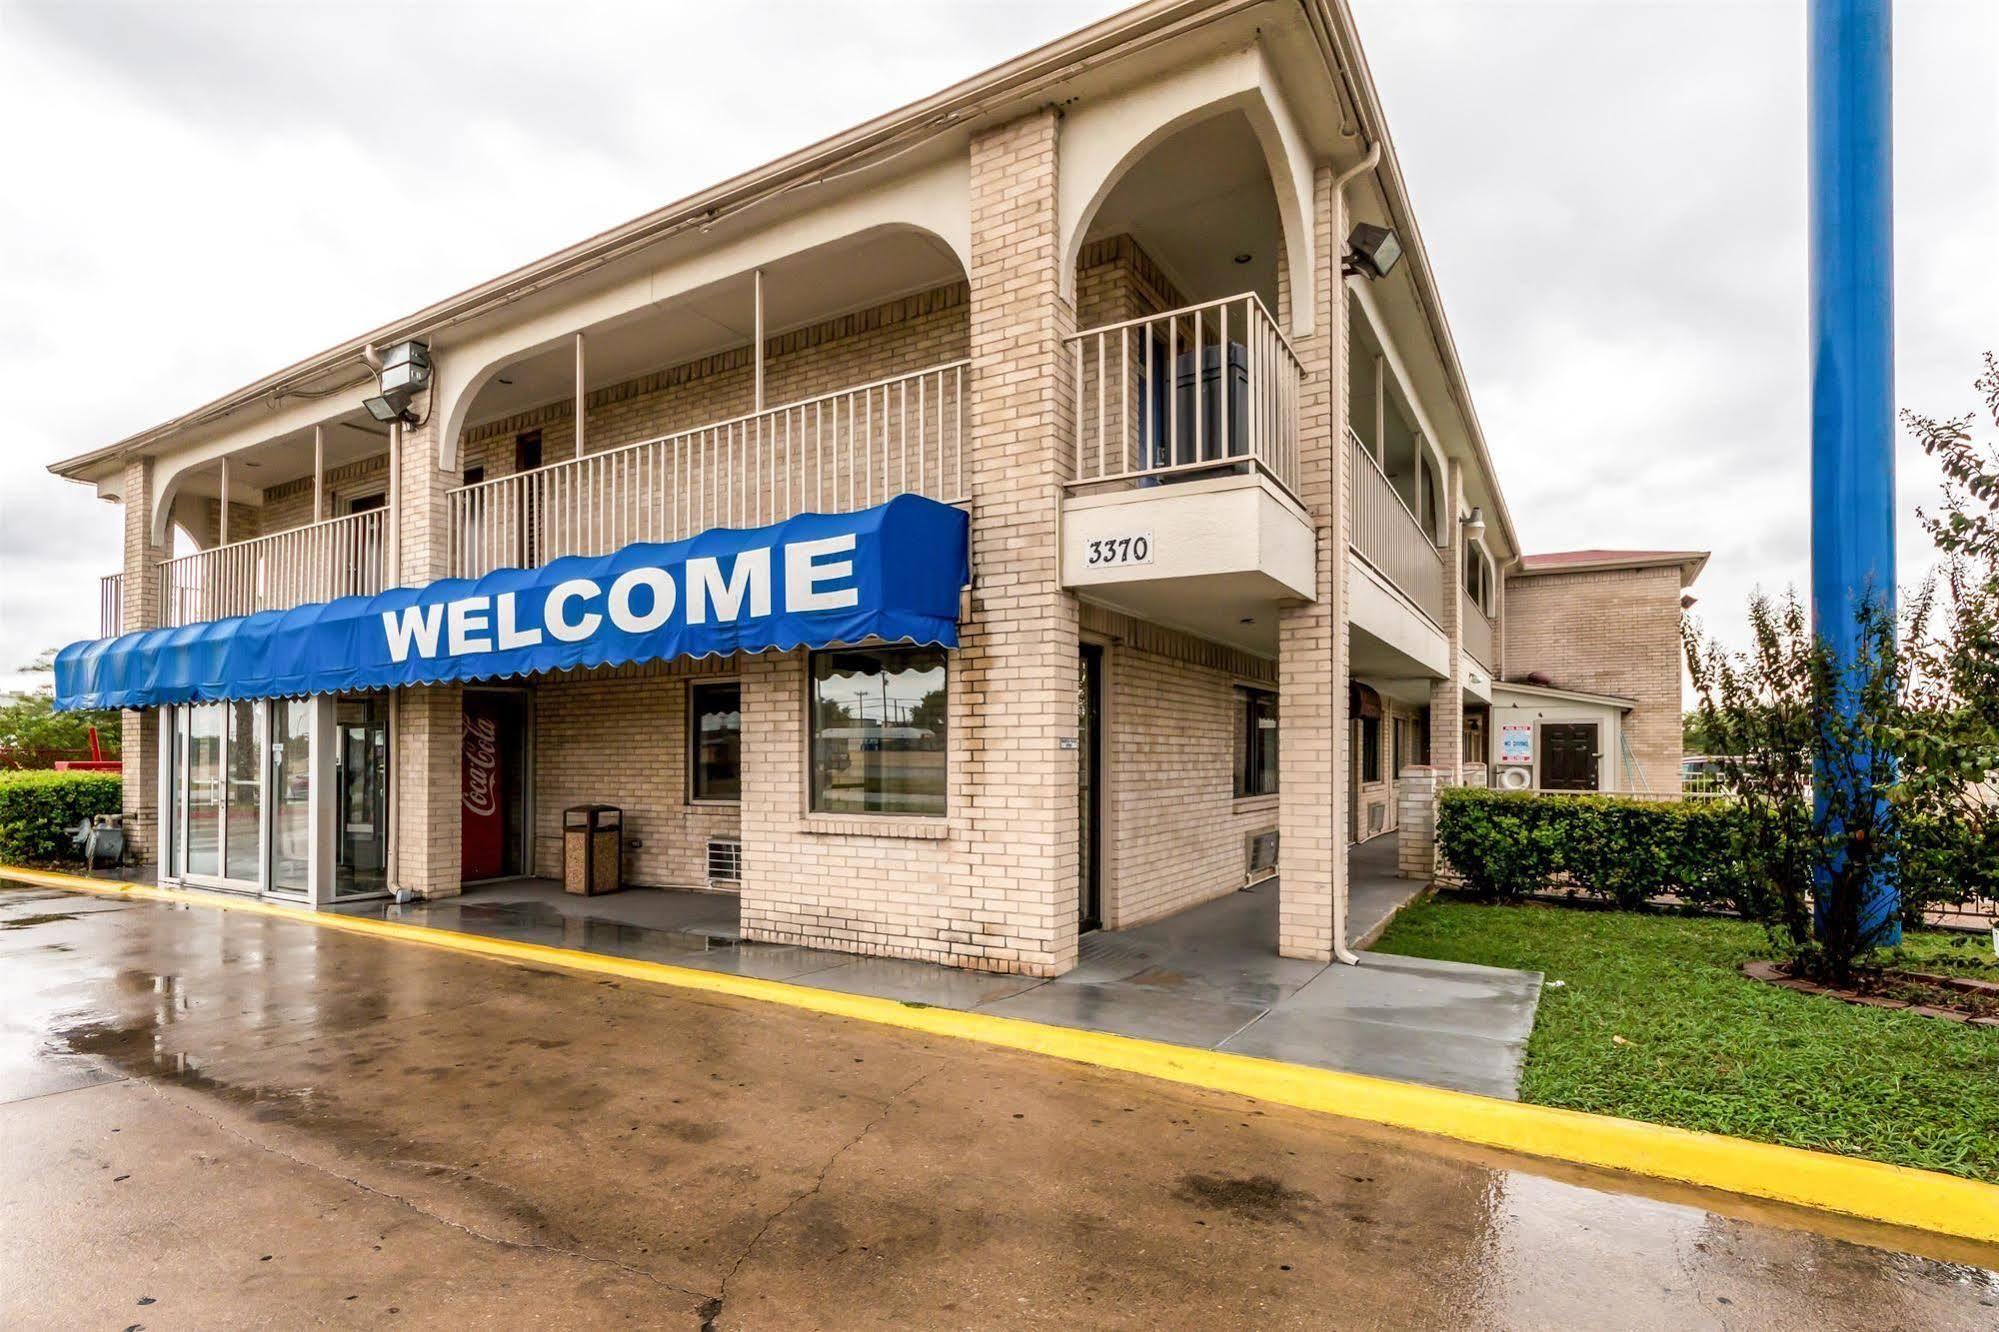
[(1208, 978)]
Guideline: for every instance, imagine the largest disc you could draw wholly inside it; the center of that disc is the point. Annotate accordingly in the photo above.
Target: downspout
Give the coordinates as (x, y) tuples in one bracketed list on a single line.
[(1343, 882)]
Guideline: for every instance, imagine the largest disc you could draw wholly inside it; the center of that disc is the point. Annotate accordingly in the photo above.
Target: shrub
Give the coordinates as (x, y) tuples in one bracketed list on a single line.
[(39, 809), (1497, 840), (1627, 851)]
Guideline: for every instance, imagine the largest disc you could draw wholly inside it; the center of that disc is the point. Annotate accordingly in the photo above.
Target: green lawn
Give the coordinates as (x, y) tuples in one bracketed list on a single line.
[(1705, 1048), (1945, 953)]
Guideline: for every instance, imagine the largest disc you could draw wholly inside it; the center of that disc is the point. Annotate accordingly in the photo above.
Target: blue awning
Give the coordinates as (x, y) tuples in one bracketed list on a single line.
[(893, 572)]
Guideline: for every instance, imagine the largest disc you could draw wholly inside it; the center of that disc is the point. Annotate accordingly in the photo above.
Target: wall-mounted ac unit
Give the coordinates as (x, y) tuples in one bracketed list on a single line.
[(1259, 855), (725, 863)]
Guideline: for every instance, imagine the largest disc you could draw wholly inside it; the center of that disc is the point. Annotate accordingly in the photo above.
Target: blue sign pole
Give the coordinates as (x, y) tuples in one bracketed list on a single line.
[(1853, 348)]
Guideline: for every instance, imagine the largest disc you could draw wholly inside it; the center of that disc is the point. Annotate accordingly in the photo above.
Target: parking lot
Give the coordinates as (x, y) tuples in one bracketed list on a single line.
[(215, 1119)]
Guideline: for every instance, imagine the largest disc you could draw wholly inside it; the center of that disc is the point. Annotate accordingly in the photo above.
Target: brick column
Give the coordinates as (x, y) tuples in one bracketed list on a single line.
[(1447, 696), (1416, 833), (429, 720), (139, 732), (1018, 650), (1313, 638)]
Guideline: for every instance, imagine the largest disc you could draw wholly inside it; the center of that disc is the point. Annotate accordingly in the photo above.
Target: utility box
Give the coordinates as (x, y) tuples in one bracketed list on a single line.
[(593, 849)]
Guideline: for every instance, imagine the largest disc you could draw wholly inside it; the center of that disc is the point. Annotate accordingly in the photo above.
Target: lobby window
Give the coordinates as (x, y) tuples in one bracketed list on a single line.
[(715, 740), (1370, 750), (880, 724), (1255, 742)]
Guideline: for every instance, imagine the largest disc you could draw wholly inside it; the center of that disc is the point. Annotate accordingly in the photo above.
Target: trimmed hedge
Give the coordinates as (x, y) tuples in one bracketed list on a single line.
[(1706, 853), (1508, 844), (38, 810)]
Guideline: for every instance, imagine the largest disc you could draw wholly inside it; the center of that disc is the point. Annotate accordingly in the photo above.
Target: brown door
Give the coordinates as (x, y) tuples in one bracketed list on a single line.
[(1568, 756), (1089, 786)]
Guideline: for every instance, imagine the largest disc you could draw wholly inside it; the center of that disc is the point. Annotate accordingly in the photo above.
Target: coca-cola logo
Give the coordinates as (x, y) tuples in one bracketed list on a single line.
[(482, 766)]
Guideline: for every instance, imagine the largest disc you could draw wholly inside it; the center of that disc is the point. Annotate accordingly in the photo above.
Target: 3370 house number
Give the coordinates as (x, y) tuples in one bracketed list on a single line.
[(1110, 552)]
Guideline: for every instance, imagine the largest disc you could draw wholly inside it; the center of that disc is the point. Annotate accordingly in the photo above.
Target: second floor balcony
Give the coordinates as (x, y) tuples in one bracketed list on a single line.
[(835, 453)]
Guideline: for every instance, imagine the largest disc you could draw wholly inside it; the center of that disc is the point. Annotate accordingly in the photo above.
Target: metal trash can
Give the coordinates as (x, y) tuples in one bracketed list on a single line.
[(593, 856)]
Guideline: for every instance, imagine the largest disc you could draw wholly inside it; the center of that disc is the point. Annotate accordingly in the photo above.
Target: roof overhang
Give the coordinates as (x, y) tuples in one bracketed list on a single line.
[(1565, 695), (1689, 562), (982, 99)]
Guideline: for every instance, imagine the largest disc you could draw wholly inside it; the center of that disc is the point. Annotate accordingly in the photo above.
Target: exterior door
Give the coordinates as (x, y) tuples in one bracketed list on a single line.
[(1089, 786), (1569, 754), (361, 786)]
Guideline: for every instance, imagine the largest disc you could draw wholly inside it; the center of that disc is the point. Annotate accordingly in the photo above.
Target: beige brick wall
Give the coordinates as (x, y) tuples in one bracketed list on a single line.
[(139, 732), (991, 884), (1313, 638), (1174, 831), (1612, 631), (619, 737)]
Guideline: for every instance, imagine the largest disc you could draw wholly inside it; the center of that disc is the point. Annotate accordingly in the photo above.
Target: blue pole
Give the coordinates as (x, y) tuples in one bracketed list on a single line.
[(1853, 347)]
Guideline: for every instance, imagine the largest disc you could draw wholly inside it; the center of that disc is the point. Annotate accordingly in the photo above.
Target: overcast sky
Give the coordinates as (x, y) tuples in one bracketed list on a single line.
[(1612, 193)]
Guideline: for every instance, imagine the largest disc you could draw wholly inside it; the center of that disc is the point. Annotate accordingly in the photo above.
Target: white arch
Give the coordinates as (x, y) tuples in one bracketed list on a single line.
[(934, 201), (1102, 140)]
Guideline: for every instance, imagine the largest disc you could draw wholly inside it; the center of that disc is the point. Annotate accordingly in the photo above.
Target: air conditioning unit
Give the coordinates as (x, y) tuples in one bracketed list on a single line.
[(1259, 856), (1515, 778), (725, 863)]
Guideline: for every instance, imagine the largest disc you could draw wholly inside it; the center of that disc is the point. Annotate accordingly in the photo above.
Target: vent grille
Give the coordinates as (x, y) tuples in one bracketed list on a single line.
[(725, 862), (1259, 855), (1377, 818)]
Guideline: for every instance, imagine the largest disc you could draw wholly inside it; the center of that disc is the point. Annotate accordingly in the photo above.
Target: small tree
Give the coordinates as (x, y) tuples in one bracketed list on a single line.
[(1899, 748), (1950, 736), (33, 733)]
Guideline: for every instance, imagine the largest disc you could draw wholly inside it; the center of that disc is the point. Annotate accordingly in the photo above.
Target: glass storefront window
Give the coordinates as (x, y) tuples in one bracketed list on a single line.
[(243, 799), (879, 731), (291, 793), (715, 725), (203, 796)]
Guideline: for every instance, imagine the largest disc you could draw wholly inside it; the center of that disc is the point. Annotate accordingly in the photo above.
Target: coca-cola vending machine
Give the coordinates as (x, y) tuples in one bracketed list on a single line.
[(485, 781)]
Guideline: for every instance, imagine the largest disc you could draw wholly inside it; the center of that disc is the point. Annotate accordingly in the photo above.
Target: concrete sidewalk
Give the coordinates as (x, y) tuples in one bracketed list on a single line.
[(1208, 978)]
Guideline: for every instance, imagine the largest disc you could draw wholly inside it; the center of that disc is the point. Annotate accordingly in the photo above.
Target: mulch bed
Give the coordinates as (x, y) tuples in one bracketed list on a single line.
[(1954, 998)]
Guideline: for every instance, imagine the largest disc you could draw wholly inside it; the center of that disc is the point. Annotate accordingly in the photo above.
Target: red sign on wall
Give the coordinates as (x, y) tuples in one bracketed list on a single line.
[(483, 846)]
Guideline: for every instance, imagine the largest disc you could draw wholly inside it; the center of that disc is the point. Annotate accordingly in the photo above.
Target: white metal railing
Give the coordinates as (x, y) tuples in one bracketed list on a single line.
[(1206, 389), (1389, 537), (1477, 629), (340, 557), (111, 605), (835, 453)]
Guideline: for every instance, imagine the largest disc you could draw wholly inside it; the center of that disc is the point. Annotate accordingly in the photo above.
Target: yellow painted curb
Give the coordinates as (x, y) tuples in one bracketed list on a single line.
[(1868, 1190)]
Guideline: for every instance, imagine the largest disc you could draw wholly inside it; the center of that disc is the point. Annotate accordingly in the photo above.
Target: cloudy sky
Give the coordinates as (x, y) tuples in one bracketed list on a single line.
[(1612, 192)]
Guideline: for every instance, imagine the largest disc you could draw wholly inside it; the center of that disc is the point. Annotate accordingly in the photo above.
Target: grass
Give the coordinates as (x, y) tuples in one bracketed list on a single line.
[(1647, 1017), (1944, 953)]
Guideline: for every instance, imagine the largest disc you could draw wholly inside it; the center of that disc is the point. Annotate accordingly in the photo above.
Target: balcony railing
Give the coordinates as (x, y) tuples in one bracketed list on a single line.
[(1210, 389), (1389, 537), (111, 605), (836, 453), (1478, 630), (340, 557)]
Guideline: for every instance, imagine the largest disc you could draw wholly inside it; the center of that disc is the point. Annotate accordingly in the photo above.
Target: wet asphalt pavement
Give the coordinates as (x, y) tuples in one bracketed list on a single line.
[(211, 1119)]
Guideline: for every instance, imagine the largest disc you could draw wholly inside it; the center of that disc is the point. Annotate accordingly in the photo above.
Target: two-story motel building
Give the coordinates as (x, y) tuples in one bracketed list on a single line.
[(1195, 468)]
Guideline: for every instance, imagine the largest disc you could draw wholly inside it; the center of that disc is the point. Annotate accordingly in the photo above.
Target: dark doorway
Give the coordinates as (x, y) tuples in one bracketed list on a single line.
[(493, 786), (527, 519), (1089, 787), (1568, 756)]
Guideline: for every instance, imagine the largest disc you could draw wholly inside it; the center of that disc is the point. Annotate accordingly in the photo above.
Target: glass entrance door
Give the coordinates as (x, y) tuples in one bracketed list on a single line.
[(361, 786), (218, 811)]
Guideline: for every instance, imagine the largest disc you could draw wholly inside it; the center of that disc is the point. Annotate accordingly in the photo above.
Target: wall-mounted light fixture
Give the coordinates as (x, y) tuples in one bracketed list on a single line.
[(1371, 251), (404, 373), (1474, 525)]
